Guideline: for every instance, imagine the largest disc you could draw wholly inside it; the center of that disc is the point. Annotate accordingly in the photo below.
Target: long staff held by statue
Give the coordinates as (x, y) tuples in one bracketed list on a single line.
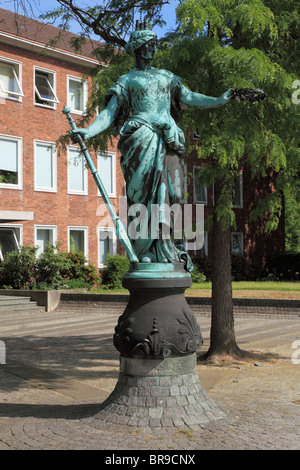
[(120, 229)]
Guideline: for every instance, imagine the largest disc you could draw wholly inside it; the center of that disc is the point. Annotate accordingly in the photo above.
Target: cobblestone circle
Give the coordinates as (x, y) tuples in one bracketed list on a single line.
[(61, 367)]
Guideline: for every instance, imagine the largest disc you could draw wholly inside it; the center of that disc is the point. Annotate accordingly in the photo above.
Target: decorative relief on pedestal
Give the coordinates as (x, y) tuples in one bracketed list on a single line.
[(154, 345), (186, 338), (191, 337)]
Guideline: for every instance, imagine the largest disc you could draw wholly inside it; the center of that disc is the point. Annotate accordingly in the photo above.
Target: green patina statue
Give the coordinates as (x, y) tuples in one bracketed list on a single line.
[(143, 106)]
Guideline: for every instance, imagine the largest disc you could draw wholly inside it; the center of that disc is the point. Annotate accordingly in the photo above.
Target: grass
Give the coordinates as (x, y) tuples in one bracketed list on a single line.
[(248, 286), (256, 285)]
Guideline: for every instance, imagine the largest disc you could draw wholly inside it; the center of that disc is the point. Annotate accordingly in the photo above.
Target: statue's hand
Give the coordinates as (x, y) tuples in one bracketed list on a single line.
[(227, 96), (248, 94), (82, 131)]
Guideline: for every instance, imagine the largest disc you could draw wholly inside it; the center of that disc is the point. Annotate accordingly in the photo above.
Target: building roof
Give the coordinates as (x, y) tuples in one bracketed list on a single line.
[(13, 25)]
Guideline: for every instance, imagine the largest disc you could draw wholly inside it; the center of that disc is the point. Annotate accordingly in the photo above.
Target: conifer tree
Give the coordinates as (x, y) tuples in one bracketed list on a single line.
[(239, 44), (219, 45)]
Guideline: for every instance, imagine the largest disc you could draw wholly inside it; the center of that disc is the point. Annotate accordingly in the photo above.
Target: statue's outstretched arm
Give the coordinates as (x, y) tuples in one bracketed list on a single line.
[(196, 99), (102, 121)]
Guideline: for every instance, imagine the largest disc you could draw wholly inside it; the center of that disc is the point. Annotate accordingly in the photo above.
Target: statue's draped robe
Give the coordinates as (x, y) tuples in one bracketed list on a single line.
[(151, 145)]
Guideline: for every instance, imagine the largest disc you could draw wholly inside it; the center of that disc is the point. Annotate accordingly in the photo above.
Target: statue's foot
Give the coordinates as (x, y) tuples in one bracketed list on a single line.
[(146, 259)]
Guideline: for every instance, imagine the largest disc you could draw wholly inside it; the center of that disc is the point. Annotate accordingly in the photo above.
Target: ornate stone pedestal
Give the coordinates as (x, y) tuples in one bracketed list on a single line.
[(158, 336)]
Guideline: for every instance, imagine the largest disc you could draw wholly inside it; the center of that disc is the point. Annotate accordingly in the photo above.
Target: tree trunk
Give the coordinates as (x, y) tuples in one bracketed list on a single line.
[(222, 336)]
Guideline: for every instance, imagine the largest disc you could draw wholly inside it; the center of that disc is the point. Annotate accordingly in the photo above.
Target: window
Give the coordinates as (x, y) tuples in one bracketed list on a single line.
[(43, 235), (237, 243), (10, 162), (44, 88), (200, 191), (10, 79), (77, 173), (107, 243), (205, 244), (45, 167), (238, 191), (77, 94), (78, 240), (107, 172), (9, 240)]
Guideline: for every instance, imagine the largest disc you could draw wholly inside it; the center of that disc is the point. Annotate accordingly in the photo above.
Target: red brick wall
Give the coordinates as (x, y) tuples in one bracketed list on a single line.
[(257, 244), (24, 119)]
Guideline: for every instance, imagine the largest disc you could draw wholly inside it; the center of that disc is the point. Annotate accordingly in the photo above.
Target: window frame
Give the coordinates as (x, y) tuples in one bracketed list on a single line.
[(19, 141), (17, 71), (53, 102), (241, 234), (18, 235), (85, 231), (54, 166), (195, 168), (45, 227), (84, 192), (241, 184), (114, 243), (112, 194), (84, 83)]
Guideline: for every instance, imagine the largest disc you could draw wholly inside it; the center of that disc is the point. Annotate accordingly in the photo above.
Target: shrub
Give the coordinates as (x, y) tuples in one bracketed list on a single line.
[(113, 273), (242, 270), (50, 268), (203, 265), (285, 266), (197, 276), (17, 271), (53, 270), (81, 273)]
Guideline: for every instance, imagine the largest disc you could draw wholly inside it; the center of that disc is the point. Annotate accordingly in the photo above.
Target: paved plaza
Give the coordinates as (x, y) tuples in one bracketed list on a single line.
[(61, 366)]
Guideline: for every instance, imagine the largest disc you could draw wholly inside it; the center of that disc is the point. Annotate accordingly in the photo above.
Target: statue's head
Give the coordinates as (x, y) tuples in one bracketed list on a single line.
[(142, 41)]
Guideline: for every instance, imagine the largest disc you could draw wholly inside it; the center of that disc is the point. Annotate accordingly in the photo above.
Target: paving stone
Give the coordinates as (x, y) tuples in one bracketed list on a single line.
[(261, 404)]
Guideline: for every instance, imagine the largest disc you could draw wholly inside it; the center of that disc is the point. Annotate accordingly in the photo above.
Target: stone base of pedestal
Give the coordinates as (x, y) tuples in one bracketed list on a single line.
[(159, 393)]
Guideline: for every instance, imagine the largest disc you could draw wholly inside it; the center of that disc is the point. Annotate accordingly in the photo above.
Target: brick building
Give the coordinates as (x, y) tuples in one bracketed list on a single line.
[(249, 237), (47, 196)]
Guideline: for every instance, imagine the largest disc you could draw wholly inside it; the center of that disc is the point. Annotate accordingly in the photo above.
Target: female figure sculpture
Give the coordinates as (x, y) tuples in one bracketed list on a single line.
[(142, 107)]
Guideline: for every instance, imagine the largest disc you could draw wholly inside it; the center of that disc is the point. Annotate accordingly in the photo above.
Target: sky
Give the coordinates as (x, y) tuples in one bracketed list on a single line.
[(42, 6)]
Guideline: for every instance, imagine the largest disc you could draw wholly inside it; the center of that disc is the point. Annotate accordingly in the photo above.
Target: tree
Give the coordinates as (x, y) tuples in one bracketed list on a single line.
[(218, 45), (236, 44)]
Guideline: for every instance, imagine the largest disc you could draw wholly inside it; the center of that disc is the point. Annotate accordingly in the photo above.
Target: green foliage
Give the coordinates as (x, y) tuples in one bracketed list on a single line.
[(49, 268), (284, 267), (54, 269), (236, 44), (79, 272), (218, 45), (241, 269), (197, 275), (203, 265), (292, 222), (113, 273), (17, 271)]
